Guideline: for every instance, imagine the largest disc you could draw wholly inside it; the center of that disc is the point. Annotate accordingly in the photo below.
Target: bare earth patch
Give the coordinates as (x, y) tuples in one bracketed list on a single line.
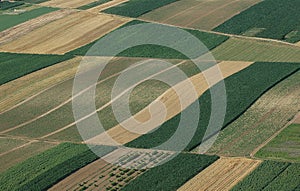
[(66, 4), (66, 34), (221, 175)]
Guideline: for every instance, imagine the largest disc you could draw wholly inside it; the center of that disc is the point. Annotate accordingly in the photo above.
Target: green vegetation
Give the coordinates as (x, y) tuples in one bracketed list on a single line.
[(271, 176), (136, 8), (7, 144), (43, 170), (265, 117), (242, 88), (276, 18), (17, 65), (210, 40), (172, 174), (285, 146), (4, 5), (259, 51), (8, 21), (34, 1), (93, 4)]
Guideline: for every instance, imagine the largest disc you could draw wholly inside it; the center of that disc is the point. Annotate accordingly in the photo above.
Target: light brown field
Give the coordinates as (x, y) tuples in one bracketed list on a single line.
[(203, 14), (31, 85), (221, 175), (107, 5), (297, 120), (28, 26), (66, 34), (298, 43), (66, 4), (167, 105)]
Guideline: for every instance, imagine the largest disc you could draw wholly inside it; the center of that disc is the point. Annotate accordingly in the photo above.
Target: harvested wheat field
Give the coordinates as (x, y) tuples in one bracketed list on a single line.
[(155, 114), (66, 34), (203, 14), (297, 120), (107, 5), (32, 85), (28, 26), (66, 4), (221, 175)]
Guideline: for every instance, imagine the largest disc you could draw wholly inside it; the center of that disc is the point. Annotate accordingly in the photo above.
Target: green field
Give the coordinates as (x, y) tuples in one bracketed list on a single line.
[(4, 5), (210, 40), (285, 146), (93, 4), (136, 8), (242, 88), (260, 51), (276, 19), (173, 174), (17, 65), (8, 21), (42, 171), (7, 143), (266, 116), (271, 176)]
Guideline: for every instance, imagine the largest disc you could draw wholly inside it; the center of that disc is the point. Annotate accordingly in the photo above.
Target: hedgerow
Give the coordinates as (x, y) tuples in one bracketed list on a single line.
[(42, 171), (276, 19)]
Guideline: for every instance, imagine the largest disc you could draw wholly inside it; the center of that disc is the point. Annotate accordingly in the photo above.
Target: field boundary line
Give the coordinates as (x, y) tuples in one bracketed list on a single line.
[(274, 135), (108, 103)]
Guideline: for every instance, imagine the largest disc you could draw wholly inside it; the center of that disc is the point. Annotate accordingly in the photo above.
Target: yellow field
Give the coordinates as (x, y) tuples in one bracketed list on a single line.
[(221, 175), (66, 34), (200, 14), (155, 114), (66, 4), (16, 91)]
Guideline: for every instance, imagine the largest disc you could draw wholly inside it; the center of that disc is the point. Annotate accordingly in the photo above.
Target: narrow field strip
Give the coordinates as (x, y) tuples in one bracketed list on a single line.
[(24, 89), (28, 26), (171, 103), (65, 34), (66, 4), (255, 50), (265, 117), (107, 5), (205, 14), (221, 175)]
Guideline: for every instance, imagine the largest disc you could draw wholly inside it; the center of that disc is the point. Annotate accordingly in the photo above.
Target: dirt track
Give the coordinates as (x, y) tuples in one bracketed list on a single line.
[(221, 175), (66, 34), (167, 105)]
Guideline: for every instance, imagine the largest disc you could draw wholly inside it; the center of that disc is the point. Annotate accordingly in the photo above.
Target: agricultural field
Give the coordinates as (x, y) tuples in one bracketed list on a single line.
[(8, 19), (203, 14), (135, 8), (270, 113), (281, 22), (65, 34), (243, 88), (108, 133), (285, 146), (221, 175), (271, 175), (255, 50)]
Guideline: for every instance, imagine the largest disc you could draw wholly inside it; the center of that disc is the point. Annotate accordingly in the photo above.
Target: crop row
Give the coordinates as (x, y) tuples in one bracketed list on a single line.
[(42, 171), (242, 89), (274, 19), (272, 175)]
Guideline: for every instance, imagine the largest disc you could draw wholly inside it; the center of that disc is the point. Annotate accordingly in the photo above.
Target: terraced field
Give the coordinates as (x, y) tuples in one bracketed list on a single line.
[(203, 14)]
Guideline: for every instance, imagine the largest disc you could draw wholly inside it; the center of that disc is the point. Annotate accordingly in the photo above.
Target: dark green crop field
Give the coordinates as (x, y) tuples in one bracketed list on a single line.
[(275, 19)]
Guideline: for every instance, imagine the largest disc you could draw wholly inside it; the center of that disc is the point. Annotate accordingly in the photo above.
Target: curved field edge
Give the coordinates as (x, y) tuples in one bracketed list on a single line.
[(172, 174), (266, 116), (271, 175), (242, 90), (43, 170)]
